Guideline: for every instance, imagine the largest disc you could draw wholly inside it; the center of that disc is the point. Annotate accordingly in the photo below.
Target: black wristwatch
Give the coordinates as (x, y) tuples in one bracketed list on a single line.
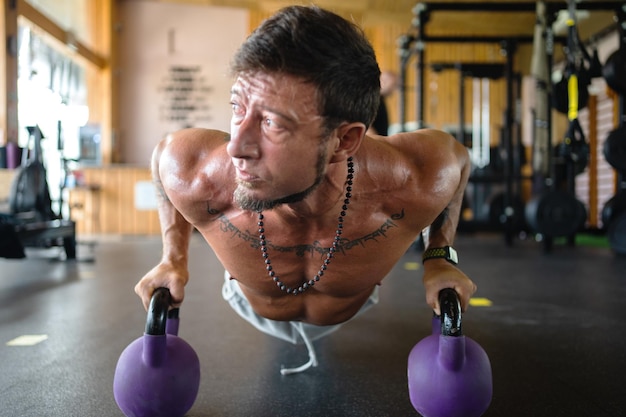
[(447, 252)]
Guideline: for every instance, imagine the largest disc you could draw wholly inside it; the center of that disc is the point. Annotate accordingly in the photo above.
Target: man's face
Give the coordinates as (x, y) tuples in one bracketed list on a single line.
[(276, 144)]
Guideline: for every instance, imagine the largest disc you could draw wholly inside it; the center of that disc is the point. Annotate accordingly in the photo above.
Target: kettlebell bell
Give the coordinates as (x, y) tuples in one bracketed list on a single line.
[(449, 374), (157, 375), (613, 70), (615, 148)]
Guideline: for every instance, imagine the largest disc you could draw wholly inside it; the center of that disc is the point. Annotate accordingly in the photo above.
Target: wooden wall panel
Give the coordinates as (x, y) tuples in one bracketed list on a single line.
[(384, 38), (116, 211), (256, 17), (125, 201), (108, 206), (6, 179), (8, 73), (441, 90), (441, 99), (144, 220)]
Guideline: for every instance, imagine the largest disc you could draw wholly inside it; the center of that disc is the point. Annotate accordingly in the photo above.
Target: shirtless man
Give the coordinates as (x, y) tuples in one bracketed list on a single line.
[(306, 213)]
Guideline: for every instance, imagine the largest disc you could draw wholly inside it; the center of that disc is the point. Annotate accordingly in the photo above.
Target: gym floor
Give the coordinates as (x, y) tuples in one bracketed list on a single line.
[(554, 334)]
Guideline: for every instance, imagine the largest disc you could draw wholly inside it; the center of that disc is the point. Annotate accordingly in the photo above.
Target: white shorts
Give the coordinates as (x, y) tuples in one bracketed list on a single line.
[(290, 331)]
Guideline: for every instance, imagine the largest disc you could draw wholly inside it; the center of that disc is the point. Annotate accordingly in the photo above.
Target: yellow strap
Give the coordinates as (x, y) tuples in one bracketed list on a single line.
[(572, 94)]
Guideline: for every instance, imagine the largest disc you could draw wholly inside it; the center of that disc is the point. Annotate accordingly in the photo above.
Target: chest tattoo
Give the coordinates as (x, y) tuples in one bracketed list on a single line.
[(309, 249)]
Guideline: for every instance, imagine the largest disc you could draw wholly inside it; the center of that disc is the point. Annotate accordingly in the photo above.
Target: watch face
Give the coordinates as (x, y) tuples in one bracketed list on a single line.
[(452, 256)]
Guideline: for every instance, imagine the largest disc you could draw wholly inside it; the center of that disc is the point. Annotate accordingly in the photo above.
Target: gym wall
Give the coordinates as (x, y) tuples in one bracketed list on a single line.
[(172, 71)]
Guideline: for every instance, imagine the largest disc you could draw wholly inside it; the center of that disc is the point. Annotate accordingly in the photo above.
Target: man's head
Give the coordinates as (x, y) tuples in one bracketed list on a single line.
[(323, 49)]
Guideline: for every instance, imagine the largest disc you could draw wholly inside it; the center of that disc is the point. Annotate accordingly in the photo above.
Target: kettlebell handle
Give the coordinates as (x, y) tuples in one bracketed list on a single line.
[(450, 308), (158, 312)]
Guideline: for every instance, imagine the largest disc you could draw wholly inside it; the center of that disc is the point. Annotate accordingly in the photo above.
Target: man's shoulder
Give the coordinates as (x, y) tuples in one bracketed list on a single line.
[(412, 147), (194, 144), (199, 134), (422, 138), (197, 156), (427, 148)]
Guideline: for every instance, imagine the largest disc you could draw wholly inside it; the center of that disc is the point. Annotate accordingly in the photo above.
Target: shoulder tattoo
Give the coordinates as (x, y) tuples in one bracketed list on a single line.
[(160, 190)]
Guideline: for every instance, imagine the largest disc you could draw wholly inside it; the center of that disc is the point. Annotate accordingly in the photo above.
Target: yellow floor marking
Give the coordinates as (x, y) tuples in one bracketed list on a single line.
[(480, 302), (27, 340), (411, 266)]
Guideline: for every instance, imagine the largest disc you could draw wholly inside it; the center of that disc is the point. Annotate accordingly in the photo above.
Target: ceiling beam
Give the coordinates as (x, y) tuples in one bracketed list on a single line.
[(66, 38)]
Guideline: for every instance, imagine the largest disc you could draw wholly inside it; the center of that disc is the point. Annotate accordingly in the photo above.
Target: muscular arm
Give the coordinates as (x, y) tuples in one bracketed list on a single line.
[(439, 273), (443, 229), (175, 230), (172, 270)]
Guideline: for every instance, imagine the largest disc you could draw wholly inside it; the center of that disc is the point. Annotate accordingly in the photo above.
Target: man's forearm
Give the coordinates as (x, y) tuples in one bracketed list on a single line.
[(443, 229), (175, 230)]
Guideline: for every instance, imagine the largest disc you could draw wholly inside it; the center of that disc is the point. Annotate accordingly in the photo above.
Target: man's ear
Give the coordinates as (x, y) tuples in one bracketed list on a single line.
[(349, 139)]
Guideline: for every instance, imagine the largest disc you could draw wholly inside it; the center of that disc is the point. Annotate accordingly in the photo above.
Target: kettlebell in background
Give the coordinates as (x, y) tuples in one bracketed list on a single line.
[(157, 375), (449, 374), (613, 70)]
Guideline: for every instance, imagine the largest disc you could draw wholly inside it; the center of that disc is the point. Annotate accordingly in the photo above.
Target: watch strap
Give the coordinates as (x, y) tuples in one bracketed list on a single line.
[(446, 252)]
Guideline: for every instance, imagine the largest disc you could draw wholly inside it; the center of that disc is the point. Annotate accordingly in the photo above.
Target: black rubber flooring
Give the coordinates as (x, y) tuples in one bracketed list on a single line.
[(555, 335)]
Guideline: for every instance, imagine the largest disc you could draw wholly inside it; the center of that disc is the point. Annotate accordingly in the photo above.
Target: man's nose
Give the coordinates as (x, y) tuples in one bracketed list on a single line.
[(244, 139)]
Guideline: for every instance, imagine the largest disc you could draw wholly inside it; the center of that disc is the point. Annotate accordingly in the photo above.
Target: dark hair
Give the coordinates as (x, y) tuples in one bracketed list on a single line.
[(324, 49)]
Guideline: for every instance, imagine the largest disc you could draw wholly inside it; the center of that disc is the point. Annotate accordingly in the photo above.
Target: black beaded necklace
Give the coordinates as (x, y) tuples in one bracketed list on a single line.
[(331, 251)]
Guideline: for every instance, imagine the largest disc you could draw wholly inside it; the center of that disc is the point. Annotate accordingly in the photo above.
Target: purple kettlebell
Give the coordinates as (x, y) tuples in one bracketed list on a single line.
[(449, 374), (157, 375)]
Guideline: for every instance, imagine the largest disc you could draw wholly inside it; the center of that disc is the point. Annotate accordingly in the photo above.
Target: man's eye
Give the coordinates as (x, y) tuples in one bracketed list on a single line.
[(236, 108)]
